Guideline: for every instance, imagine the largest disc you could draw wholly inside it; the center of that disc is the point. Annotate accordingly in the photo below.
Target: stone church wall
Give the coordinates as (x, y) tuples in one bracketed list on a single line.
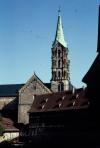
[(4, 101), (26, 98)]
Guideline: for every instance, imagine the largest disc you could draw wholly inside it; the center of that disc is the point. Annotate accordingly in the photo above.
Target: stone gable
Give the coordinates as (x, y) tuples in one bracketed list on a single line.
[(26, 97)]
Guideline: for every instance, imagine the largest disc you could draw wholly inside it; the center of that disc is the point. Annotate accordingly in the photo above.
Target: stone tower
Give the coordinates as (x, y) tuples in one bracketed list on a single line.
[(60, 80)]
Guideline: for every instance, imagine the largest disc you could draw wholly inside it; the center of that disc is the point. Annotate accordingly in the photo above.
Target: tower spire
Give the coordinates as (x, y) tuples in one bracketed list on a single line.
[(60, 80), (59, 37)]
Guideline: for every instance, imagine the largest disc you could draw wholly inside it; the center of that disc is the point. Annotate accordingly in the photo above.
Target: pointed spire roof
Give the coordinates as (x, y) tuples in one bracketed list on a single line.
[(59, 37)]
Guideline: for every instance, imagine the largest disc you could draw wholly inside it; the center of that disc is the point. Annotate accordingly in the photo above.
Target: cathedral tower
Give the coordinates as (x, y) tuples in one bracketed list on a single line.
[(60, 80)]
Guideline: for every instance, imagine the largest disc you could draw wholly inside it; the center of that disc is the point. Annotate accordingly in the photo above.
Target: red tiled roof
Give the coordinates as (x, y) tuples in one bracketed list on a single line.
[(60, 101), (9, 124)]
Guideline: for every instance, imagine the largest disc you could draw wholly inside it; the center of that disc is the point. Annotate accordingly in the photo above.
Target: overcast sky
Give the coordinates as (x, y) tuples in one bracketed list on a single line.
[(27, 30)]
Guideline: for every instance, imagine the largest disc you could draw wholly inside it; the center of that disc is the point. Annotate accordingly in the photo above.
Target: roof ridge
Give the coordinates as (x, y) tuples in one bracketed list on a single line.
[(11, 84)]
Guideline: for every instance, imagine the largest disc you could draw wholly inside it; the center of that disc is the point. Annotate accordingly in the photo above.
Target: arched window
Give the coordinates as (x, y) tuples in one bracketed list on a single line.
[(59, 53), (61, 87), (59, 63), (54, 63), (64, 61), (64, 74), (54, 75), (59, 74), (55, 53)]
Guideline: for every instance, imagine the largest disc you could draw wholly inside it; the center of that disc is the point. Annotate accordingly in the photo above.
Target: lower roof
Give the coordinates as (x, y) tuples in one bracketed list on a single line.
[(60, 101), (8, 125), (10, 89)]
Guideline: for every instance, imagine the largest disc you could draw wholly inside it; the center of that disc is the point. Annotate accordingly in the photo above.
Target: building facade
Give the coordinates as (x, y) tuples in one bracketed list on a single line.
[(26, 97)]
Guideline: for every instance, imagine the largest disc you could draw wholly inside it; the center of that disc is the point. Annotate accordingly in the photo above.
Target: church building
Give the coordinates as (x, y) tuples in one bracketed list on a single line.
[(69, 118), (56, 113), (18, 98)]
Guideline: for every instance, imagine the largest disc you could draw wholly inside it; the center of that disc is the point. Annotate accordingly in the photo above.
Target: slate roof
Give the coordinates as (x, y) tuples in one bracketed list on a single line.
[(48, 85), (93, 74), (60, 101), (10, 89)]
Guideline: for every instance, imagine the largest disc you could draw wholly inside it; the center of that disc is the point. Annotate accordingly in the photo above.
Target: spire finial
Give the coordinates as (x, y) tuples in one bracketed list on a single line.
[(59, 37), (59, 10)]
